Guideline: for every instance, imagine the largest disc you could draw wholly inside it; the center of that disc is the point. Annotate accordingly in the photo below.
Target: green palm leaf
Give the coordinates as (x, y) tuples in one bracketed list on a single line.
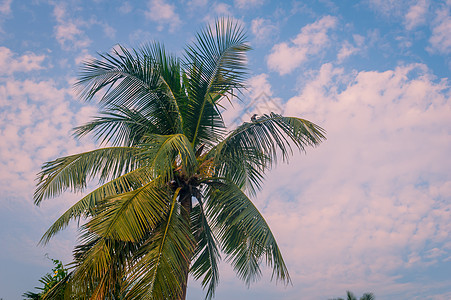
[(131, 80), (129, 216), (88, 204), (101, 267), (244, 233), (119, 126), (161, 151), (159, 272), (206, 255), (74, 171), (247, 152), (216, 65)]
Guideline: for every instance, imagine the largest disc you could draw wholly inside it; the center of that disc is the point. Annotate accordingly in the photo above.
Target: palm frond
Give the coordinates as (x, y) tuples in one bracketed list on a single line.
[(130, 216), (58, 291), (368, 296), (248, 151), (245, 166), (215, 64), (161, 151), (74, 171), (159, 271), (119, 126), (169, 69), (245, 236), (131, 80), (206, 256), (203, 123), (100, 267), (87, 205), (272, 133), (350, 296)]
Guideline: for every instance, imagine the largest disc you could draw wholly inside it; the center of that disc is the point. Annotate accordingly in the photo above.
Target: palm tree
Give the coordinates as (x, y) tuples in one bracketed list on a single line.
[(49, 282), (351, 296), (173, 182)]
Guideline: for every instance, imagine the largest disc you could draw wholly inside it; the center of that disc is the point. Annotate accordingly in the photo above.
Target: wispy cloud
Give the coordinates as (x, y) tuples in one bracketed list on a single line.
[(35, 123), (163, 13), (388, 7), (68, 32), (264, 30), (5, 7), (11, 62), (416, 14), (247, 4), (125, 8), (287, 56), (347, 49), (441, 38)]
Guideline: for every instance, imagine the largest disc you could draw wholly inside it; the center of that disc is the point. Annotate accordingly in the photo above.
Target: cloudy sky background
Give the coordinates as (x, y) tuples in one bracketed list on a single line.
[(369, 210)]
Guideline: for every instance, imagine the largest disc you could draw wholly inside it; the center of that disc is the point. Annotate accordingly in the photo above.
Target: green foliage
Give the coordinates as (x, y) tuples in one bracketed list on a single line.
[(50, 283), (173, 180)]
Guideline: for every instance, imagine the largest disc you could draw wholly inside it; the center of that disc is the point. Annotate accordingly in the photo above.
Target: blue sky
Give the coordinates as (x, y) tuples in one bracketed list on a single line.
[(368, 211)]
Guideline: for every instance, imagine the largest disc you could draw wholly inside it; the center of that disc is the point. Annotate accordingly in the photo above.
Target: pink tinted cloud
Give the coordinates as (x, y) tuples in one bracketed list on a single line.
[(35, 126), (10, 62), (311, 40), (373, 201)]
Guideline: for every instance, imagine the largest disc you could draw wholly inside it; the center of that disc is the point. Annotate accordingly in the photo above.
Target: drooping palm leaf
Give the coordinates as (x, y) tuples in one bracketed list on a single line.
[(245, 154), (206, 255), (86, 206), (245, 236), (130, 216), (159, 271), (101, 267), (73, 172), (119, 126), (272, 133)]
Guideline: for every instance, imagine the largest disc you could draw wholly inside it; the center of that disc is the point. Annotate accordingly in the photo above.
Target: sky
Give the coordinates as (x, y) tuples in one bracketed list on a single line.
[(369, 210)]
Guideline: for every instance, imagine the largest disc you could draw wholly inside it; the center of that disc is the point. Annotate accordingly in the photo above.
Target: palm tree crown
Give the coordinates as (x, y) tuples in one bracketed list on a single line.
[(173, 181)]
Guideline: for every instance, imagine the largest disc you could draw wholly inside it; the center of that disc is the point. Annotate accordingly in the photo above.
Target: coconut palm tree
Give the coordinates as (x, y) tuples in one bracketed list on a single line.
[(174, 183), (351, 296)]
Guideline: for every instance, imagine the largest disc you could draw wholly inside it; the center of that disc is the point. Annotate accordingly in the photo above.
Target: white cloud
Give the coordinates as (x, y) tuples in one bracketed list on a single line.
[(109, 31), (219, 9), (374, 199), (197, 3), (163, 13), (416, 15), (246, 4), (388, 7), (285, 57), (257, 99), (5, 7), (263, 30), (35, 123), (125, 8), (67, 31), (10, 63), (441, 38), (83, 56), (347, 49)]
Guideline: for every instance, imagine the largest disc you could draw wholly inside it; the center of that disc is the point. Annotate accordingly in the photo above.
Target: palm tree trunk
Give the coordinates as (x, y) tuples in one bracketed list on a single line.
[(187, 204)]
